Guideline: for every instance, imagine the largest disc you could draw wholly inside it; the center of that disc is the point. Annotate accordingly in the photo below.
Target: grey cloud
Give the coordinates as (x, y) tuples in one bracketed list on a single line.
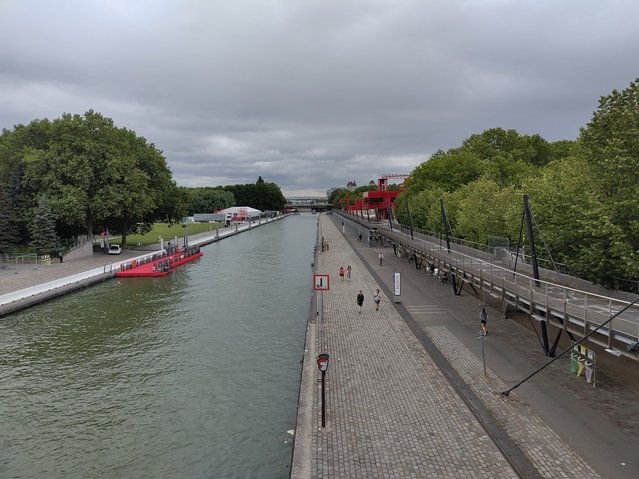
[(315, 93)]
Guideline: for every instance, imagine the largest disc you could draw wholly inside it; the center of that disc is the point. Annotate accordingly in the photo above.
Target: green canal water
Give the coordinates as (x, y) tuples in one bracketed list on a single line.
[(194, 375)]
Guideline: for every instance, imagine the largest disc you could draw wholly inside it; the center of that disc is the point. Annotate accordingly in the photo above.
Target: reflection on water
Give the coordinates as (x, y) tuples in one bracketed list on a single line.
[(190, 375)]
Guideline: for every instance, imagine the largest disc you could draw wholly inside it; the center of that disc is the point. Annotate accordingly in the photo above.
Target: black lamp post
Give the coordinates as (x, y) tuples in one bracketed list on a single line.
[(322, 364)]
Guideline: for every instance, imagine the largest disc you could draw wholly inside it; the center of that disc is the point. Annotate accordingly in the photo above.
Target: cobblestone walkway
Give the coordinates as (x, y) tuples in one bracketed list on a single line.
[(391, 413)]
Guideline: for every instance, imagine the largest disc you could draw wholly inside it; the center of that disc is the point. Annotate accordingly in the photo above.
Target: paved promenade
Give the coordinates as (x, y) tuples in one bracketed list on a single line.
[(406, 393)]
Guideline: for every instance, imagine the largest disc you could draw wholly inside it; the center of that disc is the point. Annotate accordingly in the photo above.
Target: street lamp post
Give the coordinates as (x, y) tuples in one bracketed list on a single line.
[(322, 364)]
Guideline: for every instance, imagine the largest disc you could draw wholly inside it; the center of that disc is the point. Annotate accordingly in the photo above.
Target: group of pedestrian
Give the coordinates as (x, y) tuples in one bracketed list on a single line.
[(377, 298), (346, 272)]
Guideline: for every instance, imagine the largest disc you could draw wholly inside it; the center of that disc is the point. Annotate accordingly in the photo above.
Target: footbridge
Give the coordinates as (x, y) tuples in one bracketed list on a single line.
[(572, 305), (308, 203)]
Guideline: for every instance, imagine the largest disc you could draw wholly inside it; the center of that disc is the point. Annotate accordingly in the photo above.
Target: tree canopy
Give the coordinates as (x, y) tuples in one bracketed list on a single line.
[(208, 199), (260, 195), (93, 174)]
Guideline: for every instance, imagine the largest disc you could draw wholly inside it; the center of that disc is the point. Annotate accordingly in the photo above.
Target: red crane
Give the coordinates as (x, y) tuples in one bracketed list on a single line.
[(377, 202)]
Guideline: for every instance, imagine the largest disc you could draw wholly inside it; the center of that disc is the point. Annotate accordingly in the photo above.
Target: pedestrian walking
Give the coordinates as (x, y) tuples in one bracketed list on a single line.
[(348, 272), (60, 256), (377, 298), (359, 237), (360, 300), (341, 273), (483, 318), (381, 258)]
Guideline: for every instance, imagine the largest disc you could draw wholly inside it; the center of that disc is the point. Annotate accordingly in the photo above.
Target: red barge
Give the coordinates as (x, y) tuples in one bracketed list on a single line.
[(159, 264)]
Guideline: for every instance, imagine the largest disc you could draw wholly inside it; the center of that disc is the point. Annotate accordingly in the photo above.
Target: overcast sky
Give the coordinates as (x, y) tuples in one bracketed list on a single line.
[(310, 94)]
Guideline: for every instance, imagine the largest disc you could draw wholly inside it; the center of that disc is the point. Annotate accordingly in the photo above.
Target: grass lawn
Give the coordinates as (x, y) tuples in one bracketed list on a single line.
[(167, 232)]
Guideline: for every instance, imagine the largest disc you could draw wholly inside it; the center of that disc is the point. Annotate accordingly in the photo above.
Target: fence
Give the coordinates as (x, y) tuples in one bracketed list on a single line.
[(19, 262)]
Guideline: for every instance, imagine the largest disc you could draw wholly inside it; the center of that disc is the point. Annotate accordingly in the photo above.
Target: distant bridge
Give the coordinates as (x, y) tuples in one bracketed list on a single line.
[(308, 203), (306, 200)]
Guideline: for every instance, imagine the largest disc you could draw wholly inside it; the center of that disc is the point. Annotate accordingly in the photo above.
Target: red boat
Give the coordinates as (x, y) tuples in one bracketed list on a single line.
[(159, 264)]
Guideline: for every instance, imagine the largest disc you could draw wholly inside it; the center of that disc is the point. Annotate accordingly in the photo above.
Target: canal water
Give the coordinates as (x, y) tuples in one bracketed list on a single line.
[(194, 375)]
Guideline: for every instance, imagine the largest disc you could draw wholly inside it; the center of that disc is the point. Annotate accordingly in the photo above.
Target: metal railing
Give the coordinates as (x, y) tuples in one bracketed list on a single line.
[(19, 262)]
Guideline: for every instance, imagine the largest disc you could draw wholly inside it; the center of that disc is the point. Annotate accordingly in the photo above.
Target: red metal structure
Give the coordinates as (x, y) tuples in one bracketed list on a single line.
[(376, 203)]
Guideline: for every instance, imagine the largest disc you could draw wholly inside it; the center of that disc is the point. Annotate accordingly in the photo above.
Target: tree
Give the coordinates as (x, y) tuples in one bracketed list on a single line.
[(425, 208), (447, 171), (8, 235), (96, 174), (43, 237), (497, 142), (610, 145), (564, 203), (485, 209), (261, 195), (208, 200)]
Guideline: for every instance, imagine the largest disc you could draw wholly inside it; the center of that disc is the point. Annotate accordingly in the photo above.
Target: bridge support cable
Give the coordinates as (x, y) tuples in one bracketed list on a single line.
[(461, 286), (410, 219), (389, 213), (553, 348), (556, 342), (463, 279), (534, 328), (531, 241), (628, 306), (519, 242), (535, 267), (446, 226)]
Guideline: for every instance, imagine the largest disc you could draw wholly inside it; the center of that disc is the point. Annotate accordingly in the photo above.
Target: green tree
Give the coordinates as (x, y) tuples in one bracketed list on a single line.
[(610, 144), (561, 149), (425, 208), (261, 195), (8, 235), (563, 199), (208, 200), (497, 142), (43, 236), (96, 174), (485, 209), (447, 171)]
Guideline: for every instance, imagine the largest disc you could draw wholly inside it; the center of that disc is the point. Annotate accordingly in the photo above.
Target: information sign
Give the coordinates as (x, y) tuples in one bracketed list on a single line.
[(320, 282), (397, 286)]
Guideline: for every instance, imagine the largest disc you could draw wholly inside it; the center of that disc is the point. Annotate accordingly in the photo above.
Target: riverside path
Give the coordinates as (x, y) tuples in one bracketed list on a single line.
[(407, 398)]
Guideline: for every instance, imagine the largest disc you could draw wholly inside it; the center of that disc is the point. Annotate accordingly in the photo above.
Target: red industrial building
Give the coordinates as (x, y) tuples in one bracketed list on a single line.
[(375, 204)]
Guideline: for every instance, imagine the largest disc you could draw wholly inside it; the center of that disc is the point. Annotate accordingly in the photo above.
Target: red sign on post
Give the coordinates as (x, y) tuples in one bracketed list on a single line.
[(320, 282)]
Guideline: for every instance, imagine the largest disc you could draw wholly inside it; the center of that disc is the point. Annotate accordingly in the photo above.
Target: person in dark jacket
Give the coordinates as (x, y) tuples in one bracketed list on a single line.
[(360, 300)]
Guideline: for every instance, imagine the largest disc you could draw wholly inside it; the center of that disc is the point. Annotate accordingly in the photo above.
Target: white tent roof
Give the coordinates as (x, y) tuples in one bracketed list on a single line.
[(236, 209)]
